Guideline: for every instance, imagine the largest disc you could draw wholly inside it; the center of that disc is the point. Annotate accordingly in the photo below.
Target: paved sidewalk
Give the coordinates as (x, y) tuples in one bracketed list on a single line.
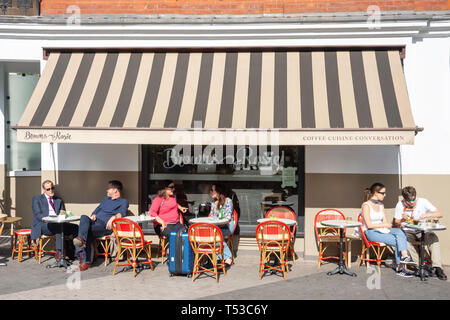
[(29, 280)]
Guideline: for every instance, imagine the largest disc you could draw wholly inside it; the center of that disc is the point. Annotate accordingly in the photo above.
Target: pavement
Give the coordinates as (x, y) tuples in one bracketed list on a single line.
[(305, 281)]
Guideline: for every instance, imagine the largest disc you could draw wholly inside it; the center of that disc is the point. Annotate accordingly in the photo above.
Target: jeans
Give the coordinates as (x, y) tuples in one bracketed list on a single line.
[(226, 231), (88, 231), (396, 238), (54, 229)]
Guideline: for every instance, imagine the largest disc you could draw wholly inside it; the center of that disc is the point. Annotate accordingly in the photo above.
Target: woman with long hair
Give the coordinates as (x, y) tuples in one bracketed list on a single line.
[(223, 206), (380, 230), (165, 210)]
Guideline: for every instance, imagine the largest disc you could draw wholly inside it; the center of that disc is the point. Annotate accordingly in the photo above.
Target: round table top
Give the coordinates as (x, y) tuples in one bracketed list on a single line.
[(140, 219), (12, 219), (288, 222), (61, 219), (211, 220), (426, 227), (277, 203), (341, 223)]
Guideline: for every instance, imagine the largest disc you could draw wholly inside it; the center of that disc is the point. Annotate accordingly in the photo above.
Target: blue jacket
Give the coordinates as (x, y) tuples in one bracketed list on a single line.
[(40, 210)]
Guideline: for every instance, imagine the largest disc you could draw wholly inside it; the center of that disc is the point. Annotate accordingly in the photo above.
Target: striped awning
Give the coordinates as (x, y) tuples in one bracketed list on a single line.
[(290, 97)]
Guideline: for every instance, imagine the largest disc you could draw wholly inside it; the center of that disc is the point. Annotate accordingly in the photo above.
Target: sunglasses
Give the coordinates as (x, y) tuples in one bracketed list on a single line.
[(412, 200), (48, 189), (170, 187), (383, 193)]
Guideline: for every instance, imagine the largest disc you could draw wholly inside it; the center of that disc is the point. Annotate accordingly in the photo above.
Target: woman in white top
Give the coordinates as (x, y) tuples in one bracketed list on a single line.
[(380, 230)]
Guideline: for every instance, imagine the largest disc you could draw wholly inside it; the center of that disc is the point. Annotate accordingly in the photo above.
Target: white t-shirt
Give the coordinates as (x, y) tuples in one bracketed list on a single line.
[(422, 206)]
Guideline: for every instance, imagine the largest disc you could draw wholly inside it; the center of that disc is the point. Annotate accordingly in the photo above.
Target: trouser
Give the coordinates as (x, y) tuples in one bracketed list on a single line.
[(88, 231), (169, 229), (54, 229), (396, 238), (431, 244)]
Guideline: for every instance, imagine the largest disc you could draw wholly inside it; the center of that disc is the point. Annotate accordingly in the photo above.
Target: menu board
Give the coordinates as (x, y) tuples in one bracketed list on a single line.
[(288, 177)]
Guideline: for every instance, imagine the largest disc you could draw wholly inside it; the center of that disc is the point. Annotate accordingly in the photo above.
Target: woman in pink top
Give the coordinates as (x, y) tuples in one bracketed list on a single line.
[(165, 210)]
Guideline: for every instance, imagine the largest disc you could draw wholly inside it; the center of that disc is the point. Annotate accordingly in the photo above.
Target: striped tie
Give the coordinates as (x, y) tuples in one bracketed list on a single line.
[(51, 203)]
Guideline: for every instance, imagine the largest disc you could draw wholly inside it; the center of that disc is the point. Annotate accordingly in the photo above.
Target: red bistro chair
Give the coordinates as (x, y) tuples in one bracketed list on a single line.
[(283, 212), (326, 235), (163, 242), (130, 239), (378, 248), (206, 241), (273, 238)]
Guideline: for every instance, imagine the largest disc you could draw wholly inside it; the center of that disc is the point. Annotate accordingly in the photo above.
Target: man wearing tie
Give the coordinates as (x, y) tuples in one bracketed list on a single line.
[(44, 205)]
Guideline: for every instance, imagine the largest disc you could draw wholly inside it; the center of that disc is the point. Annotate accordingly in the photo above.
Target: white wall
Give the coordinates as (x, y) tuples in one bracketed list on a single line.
[(352, 159), (427, 69)]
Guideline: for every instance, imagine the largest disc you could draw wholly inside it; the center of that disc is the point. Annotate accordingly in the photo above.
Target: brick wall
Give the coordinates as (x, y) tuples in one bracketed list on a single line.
[(215, 7)]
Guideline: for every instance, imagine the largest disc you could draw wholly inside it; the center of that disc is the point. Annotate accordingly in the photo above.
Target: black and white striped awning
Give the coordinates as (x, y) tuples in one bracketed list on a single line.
[(351, 96)]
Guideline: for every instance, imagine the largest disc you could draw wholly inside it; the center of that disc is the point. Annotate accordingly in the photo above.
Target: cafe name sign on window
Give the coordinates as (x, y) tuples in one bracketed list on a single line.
[(245, 158)]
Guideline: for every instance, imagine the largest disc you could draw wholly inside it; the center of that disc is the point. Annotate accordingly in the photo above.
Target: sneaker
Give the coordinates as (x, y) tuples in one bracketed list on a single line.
[(440, 273), (407, 260), (405, 274)]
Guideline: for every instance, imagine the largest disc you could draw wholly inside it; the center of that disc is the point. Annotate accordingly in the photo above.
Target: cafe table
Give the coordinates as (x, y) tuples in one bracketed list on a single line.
[(424, 228), (341, 224), (211, 220), (140, 219), (288, 222), (61, 219)]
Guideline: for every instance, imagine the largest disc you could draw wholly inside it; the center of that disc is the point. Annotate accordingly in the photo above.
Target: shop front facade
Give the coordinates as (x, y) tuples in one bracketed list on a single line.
[(310, 120)]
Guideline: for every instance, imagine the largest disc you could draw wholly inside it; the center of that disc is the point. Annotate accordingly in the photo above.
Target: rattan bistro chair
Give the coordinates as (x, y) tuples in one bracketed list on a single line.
[(130, 239), (229, 238), (207, 242), (163, 245), (378, 248), (326, 235), (283, 212), (273, 238)]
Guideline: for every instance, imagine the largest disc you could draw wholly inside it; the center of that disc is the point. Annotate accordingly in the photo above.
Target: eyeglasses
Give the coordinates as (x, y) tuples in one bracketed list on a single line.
[(383, 193), (412, 200), (48, 189), (171, 187)]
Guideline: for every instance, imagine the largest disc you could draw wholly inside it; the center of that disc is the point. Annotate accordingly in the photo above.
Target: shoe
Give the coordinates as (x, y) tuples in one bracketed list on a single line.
[(426, 272), (403, 273), (84, 266), (79, 242), (440, 273), (407, 260), (228, 262), (58, 255)]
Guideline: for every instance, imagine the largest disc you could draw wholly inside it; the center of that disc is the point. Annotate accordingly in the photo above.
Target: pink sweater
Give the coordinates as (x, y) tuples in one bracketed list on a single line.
[(168, 211)]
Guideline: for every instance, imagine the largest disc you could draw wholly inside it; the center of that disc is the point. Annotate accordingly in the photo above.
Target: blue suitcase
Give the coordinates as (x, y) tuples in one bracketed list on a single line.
[(181, 255)]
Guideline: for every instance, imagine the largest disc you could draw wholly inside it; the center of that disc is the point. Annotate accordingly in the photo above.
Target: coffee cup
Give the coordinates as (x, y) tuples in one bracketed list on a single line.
[(69, 214)]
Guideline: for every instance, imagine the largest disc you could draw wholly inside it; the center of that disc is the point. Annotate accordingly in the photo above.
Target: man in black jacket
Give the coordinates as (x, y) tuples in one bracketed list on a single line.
[(44, 205)]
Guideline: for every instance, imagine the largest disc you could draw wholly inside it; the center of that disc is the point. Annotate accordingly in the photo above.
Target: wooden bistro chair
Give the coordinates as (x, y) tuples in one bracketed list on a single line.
[(229, 239), (206, 241), (164, 243), (273, 238), (378, 248), (283, 212), (23, 235), (130, 239), (43, 243), (106, 245), (326, 235)]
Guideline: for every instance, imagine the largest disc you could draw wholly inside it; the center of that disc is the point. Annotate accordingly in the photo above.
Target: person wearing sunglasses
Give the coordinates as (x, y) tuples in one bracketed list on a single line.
[(48, 204), (411, 207), (380, 230), (165, 209)]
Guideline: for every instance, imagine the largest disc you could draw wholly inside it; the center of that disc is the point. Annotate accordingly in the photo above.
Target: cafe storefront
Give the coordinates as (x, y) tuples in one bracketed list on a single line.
[(241, 117)]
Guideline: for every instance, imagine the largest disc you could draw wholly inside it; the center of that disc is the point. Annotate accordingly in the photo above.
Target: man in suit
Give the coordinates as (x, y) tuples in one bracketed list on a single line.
[(44, 205)]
